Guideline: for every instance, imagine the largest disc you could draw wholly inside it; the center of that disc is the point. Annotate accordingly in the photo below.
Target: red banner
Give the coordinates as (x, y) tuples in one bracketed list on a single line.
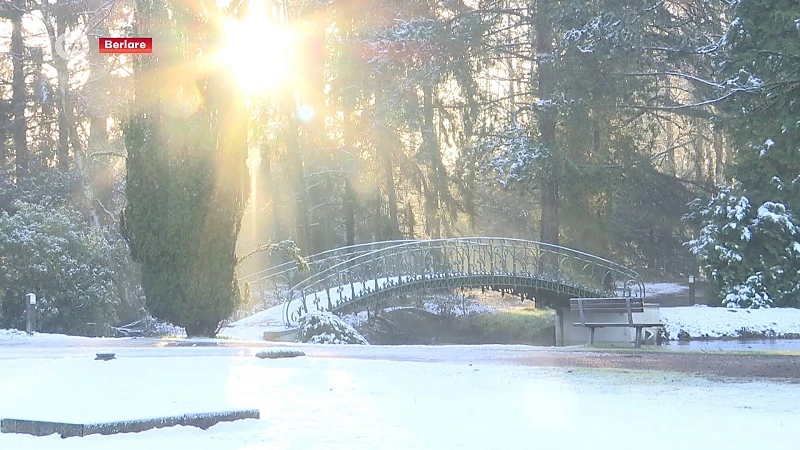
[(125, 45)]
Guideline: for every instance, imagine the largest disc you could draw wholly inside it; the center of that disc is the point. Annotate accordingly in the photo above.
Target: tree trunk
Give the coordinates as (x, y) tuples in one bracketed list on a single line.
[(349, 212), (18, 96), (393, 225), (5, 126), (349, 201), (699, 153), (438, 177), (719, 152), (41, 95), (102, 178), (547, 124), (385, 151), (411, 222), (67, 124), (380, 226), (297, 173), (98, 137), (271, 187), (62, 74)]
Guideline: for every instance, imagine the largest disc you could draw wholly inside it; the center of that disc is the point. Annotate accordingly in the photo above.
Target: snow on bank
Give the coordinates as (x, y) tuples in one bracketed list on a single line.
[(252, 328), (12, 335), (272, 319), (697, 321), (336, 403), (658, 289), (707, 322)]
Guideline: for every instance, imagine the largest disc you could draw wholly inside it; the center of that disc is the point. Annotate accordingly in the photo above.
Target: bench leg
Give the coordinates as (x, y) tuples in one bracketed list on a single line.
[(591, 335), (638, 337)]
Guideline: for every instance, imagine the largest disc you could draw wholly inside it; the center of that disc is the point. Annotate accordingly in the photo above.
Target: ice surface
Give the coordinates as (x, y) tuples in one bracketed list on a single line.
[(336, 403)]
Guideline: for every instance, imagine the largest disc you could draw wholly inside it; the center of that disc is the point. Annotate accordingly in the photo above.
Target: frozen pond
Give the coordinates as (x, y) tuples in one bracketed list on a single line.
[(344, 403)]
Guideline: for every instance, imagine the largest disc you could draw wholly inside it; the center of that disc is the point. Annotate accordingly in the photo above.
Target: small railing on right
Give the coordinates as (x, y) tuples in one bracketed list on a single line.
[(588, 307)]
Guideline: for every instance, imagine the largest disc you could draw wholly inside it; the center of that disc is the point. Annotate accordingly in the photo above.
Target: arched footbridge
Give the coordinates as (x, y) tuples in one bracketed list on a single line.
[(353, 278)]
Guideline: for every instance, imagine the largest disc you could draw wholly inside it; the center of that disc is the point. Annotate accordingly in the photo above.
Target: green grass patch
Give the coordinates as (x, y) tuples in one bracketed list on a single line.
[(621, 348), (519, 325), (610, 348), (752, 352), (627, 376)]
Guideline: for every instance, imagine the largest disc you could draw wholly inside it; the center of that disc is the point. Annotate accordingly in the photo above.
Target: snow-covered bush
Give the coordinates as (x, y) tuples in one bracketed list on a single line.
[(749, 253), (452, 304), (50, 252), (325, 328), (45, 186)]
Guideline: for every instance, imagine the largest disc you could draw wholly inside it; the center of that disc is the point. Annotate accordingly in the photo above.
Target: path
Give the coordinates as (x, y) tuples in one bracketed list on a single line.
[(755, 365)]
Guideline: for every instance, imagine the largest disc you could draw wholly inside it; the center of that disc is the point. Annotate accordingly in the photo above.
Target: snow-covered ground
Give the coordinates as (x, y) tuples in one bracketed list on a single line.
[(707, 322), (271, 319), (334, 403), (17, 335), (254, 327), (658, 289), (697, 321)]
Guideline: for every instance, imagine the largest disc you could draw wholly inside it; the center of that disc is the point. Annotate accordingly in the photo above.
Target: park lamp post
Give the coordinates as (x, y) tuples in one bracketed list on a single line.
[(692, 289), (30, 313)]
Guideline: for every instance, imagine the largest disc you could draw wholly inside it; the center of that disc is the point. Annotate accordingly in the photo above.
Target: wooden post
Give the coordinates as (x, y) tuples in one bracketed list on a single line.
[(560, 327), (30, 310)]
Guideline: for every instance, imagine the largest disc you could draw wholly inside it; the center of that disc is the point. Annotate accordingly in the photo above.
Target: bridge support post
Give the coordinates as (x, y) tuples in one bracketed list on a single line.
[(559, 327)]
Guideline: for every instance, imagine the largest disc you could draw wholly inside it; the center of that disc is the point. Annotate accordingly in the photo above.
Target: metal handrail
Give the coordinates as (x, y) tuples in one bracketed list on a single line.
[(272, 284), (316, 258)]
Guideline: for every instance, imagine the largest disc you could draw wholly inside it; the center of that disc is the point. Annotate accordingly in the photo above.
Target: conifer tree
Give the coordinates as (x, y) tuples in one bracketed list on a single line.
[(187, 174)]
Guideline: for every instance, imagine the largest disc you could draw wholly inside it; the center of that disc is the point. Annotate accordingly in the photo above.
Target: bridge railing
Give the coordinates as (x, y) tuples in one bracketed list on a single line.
[(457, 262), (272, 285)]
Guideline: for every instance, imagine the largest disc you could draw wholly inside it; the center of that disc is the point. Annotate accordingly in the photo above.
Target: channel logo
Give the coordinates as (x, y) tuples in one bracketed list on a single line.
[(125, 45)]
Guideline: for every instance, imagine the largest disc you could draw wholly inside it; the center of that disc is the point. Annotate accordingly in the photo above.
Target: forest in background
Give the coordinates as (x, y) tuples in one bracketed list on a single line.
[(588, 124)]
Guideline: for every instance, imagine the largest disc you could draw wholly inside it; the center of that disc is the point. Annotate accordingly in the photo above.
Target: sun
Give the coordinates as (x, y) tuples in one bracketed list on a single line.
[(257, 51)]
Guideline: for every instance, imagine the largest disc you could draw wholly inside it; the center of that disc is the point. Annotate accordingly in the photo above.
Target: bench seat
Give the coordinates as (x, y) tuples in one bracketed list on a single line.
[(615, 305)]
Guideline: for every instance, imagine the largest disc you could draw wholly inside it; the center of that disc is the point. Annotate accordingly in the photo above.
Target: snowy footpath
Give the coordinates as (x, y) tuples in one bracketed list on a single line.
[(342, 403)]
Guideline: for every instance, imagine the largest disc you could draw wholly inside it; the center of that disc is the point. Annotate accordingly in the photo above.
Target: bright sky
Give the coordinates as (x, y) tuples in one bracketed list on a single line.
[(258, 50)]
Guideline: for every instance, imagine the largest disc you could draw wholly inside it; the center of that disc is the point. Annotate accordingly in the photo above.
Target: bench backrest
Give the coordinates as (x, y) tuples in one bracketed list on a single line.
[(626, 305)]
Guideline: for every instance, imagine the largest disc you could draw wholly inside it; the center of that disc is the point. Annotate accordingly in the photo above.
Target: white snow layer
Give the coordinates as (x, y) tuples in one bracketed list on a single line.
[(656, 289), (696, 321), (334, 403), (708, 322), (271, 319), (254, 327), (17, 335)]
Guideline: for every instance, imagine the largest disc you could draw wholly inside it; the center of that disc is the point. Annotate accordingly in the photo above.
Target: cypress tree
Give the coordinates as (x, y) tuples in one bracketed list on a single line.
[(186, 182)]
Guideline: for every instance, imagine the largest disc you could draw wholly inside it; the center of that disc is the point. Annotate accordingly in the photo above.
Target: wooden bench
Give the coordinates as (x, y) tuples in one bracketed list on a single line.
[(618, 305)]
